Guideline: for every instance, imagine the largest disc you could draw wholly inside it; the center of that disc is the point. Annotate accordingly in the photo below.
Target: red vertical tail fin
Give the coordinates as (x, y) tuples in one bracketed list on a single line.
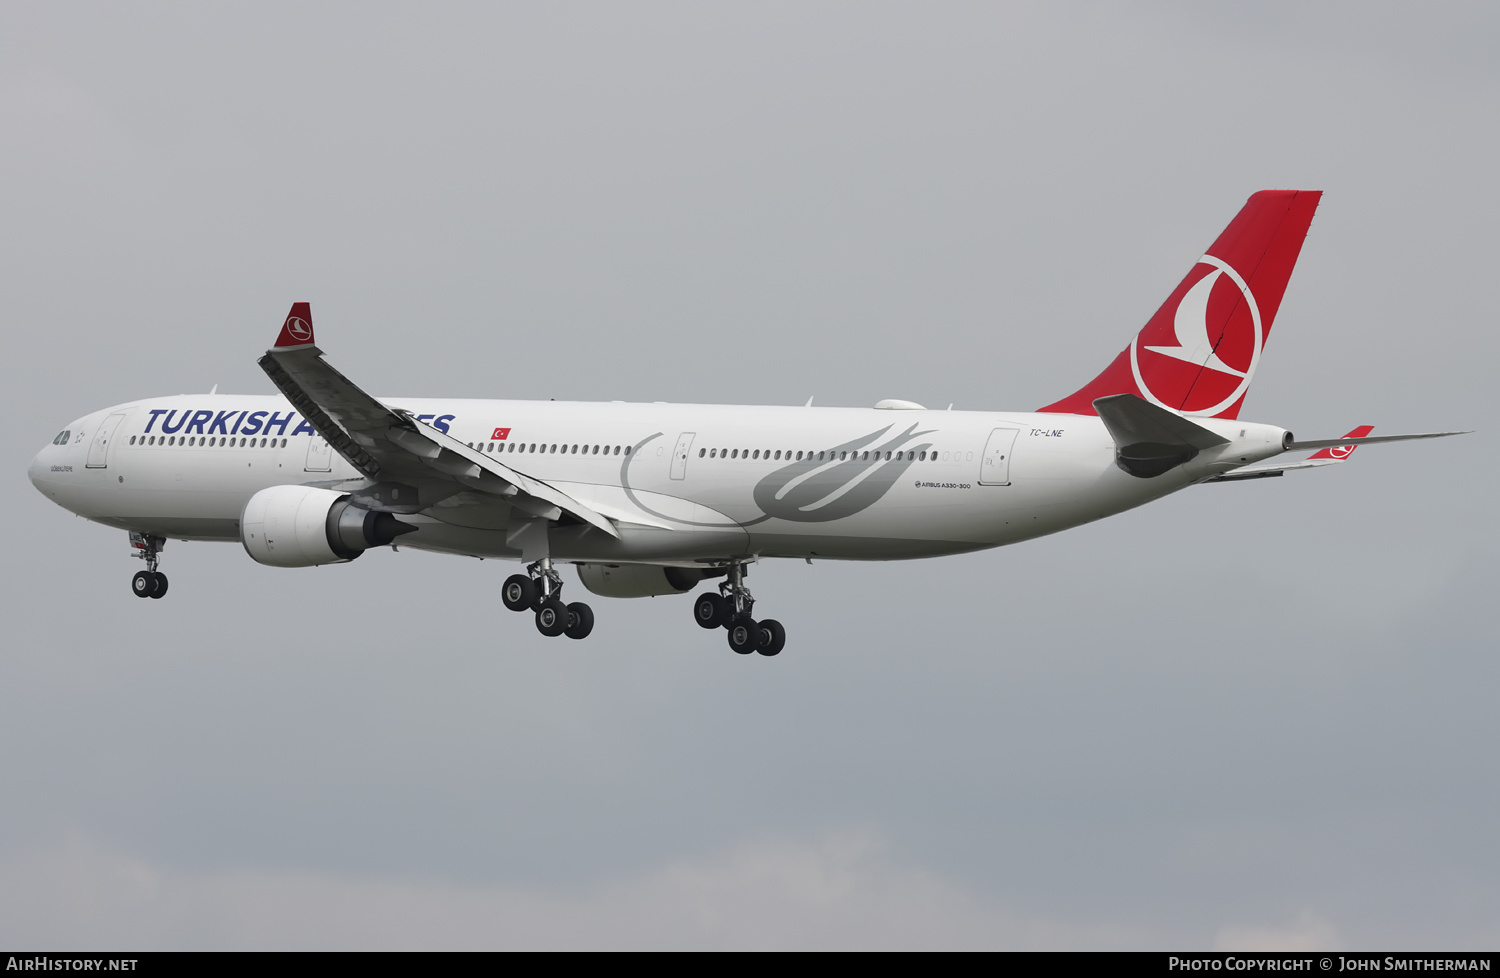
[(1198, 354)]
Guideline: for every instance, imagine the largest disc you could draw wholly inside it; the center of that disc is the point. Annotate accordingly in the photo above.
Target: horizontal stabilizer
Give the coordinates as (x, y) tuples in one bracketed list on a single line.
[(1266, 473), (1334, 451), (1272, 471), (1332, 455), (1150, 440), (1304, 446)]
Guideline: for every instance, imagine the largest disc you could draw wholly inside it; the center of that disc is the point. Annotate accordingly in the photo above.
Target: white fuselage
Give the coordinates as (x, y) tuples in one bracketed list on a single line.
[(684, 482)]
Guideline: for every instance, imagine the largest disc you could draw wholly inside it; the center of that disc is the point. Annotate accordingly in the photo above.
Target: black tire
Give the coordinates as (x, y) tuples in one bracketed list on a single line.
[(519, 592), (161, 585), (143, 584), (580, 620), (710, 610), (552, 618), (772, 637), (744, 635)]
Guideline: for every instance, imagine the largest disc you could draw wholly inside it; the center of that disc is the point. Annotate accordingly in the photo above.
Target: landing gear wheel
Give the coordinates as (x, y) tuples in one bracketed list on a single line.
[(711, 610), (552, 618), (744, 635), (149, 583), (519, 592), (580, 620), (772, 637)]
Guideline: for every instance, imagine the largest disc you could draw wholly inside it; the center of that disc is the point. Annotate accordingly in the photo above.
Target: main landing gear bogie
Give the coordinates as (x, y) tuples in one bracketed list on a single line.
[(149, 583), (731, 610), (540, 590)]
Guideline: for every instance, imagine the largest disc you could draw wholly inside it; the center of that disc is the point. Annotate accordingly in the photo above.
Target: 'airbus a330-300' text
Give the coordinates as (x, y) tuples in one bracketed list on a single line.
[(652, 499)]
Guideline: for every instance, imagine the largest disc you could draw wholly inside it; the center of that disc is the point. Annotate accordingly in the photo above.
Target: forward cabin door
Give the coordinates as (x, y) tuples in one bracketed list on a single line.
[(99, 450), (994, 467), (680, 454), (319, 455)]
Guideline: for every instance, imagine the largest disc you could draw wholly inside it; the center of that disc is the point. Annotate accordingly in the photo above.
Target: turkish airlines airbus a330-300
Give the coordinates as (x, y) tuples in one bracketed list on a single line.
[(651, 499)]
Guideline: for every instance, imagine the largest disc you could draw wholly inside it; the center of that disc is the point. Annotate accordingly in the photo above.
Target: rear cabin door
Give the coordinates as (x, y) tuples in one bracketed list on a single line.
[(994, 467), (99, 450), (680, 454), (319, 455)]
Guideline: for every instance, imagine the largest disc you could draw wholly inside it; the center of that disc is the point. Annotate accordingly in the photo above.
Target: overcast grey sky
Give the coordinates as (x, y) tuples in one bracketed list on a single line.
[(1257, 715)]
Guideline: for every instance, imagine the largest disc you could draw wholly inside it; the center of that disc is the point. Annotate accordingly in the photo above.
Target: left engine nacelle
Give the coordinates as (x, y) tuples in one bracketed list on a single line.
[(303, 526)]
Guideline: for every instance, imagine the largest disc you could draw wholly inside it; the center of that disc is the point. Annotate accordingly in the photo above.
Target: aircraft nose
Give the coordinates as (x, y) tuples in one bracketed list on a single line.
[(37, 468), (43, 469)]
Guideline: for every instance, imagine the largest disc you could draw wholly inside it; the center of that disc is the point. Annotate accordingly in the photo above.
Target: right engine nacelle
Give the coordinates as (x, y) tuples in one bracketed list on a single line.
[(303, 526), (641, 580)]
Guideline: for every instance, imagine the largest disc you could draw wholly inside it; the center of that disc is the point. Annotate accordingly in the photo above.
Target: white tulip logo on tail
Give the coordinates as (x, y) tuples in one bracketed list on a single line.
[(1205, 383)]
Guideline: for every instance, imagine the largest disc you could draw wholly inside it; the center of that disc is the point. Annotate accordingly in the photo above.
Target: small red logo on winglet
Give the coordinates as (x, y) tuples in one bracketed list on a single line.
[(1341, 452), (297, 330), (500, 434)]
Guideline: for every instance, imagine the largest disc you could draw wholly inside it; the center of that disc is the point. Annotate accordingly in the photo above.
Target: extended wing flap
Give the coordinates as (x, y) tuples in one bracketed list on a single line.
[(459, 459), (1271, 471)]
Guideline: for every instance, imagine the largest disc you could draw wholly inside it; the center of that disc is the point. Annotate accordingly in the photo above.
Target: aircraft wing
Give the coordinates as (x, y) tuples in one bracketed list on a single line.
[(387, 444)]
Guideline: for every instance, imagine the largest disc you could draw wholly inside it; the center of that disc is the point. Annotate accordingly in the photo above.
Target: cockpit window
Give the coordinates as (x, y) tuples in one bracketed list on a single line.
[(62, 438)]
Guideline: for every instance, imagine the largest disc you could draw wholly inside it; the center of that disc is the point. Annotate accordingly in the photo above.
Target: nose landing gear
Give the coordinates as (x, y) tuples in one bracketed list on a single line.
[(731, 608), (540, 590), (149, 583)]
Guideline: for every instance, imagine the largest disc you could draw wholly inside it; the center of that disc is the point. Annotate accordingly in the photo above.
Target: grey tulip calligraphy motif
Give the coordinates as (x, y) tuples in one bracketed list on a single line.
[(849, 480)]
